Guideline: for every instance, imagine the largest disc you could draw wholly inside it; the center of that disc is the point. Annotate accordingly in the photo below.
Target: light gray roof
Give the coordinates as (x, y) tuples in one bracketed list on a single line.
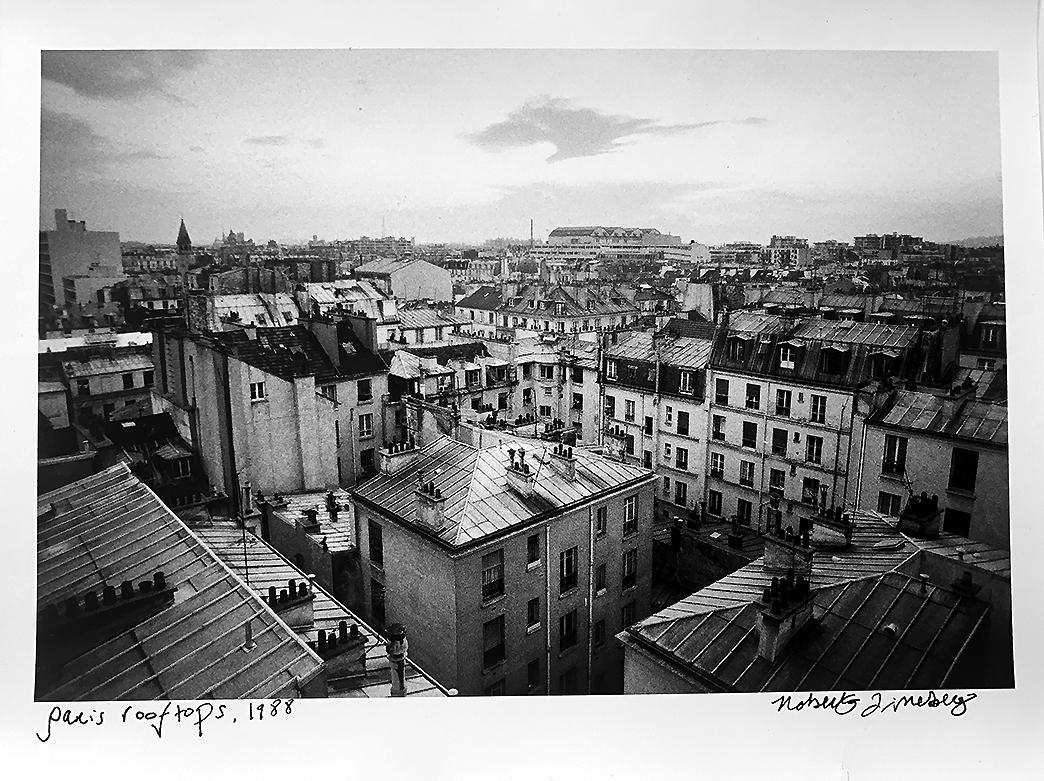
[(974, 420), (480, 501), (122, 362)]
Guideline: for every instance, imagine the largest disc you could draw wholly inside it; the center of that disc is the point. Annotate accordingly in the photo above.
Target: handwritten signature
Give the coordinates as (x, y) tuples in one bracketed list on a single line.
[(157, 719), (845, 703)]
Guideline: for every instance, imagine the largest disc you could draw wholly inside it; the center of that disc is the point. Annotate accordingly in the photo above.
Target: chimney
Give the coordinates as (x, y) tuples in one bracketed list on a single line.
[(344, 652), (293, 604), (786, 610), (396, 647), (832, 529), (395, 456), (520, 475), (431, 506), (310, 522), (921, 516), (563, 462), (786, 551), (954, 400)]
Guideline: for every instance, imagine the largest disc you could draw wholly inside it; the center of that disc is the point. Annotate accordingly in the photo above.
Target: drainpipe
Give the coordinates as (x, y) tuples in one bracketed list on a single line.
[(547, 608), (837, 453), (590, 594)]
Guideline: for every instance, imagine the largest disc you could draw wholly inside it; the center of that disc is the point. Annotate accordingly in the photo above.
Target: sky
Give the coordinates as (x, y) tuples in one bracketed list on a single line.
[(446, 145)]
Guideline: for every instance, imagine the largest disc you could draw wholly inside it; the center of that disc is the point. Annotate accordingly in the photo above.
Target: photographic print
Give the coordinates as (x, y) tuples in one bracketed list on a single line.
[(447, 373)]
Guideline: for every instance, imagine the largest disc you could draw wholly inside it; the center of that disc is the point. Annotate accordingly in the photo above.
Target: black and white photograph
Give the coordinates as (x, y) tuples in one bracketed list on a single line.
[(529, 371)]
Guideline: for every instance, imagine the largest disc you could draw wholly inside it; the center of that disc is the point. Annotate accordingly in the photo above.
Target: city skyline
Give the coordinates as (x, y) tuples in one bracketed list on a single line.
[(453, 146)]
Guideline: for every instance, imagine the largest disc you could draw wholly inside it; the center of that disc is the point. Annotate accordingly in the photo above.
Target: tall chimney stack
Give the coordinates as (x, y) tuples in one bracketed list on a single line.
[(396, 648)]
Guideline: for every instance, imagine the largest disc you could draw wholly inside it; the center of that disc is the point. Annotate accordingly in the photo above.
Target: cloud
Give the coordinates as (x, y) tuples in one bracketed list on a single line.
[(577, 132), (115, 75), (267, 140), (69, 145), (195, 149), (140, 154)]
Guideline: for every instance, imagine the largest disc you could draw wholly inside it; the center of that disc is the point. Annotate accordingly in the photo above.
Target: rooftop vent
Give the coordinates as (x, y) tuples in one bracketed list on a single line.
[(563, 462), (431, 505), (786, 610), (921, 517)]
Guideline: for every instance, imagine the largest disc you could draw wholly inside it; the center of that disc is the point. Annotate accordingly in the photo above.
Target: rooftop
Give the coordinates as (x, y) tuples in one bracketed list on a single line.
[(61, 344), (979, 421), (680, 351), (479, 498), (117, 364), (109, 529), (486, 297), (335, 529)]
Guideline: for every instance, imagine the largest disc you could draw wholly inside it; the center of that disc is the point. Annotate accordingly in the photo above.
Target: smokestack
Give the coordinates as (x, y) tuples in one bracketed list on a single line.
[(396, 648)]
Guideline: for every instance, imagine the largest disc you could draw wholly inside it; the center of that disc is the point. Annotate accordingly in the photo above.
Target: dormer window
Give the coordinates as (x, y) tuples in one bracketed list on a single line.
[(737, 348), (610, 370), (881, 363), (787, 356), (990, 336), (685, 384), (833, 360)]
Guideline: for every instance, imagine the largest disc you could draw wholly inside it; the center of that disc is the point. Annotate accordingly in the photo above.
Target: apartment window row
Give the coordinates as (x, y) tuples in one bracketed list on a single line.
[(784, 398)]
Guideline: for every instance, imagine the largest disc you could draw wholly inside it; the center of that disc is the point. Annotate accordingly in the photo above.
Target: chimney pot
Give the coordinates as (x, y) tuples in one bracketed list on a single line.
[(109, 595), (353, 632), (283, 597), (273, 598), (90, 601), (72, 607), (342, 631), (127, 589), (145, 587), (159, 581)]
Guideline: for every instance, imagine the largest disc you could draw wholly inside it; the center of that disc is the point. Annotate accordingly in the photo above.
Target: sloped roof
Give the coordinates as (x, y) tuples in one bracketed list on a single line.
[(486, 297), (479, 499), (423, 317), (261, 309), (124, 361), (109, 528), (974, 420), (677, 351), (877, 632), (264, 566)]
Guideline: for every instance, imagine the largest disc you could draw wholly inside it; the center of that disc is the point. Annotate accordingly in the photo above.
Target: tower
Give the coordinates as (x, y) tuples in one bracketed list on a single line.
[(184, 245)]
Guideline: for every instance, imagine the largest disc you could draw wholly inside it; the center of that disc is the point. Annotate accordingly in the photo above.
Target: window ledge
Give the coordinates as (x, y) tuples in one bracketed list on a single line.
[(533, 565), (601, 592), (494, 600), (569, 593), (899, 477), (495, 667), (962, 492), (531, 629), (259, 401)]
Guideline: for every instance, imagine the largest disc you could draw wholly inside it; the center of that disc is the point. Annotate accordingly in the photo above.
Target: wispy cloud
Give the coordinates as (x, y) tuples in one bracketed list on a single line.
[(115, 75), (68, 142), (578, 132), (313, 143)]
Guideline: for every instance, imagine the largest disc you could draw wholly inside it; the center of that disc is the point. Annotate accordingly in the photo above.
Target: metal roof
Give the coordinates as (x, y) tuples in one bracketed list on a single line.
[(335, 533), (109, 528), (125, 362), (479, 499), (848, 332), (263, 309), (60, 345), (682, 351), (412, 319), (883, 631), (920, 411), (255, 561)]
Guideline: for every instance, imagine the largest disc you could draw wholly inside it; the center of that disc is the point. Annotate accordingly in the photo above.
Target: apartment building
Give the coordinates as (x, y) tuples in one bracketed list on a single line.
[(409, 279), (521, 559), (289, 409), (953, 447), (104, 380), (782, 398), (655, 410), (558, 381)]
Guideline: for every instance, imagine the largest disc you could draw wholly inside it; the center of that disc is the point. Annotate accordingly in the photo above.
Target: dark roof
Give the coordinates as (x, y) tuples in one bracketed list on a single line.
[(695, 329), (879, 632), (293, 351), (486, 297), (979, 421), (109, 528)]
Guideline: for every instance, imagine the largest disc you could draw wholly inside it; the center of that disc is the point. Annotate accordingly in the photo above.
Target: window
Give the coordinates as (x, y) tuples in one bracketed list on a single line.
[(666, 451), (668, 415), (889, 504), (492, 575), (146, 379), (527, 397), (257, 391), (735, 349), (533, 549), (600, 521), (956, 522), (610, 370), (818, 409), (83, 387), (666, 486), (753, 396), (128, 381), (648, 425), (628, 410), (600, 578), (681, 458), (328, 392), (577, 373), (779, 441), (376, 535), (814, 449), (366, 462), (681, 491), (721, 392), (630, 568), (599, 632), (717, 468), (894, 455), (787, 356), (683, 423), (567, 682), (629, 613), (647, 459), (533, 613), (567, 631), (610, 407), (364, 389), (964, 464), (810, 491), (366, 425), (783, 403), (746, 476), (181, 467), (578, 401), (685, 386), (527, 371), (777, 480), (502, 401), (629, 444), (750, 434), (630, 515), (718, 428), (744, 511), (533, 674), (544, 410), (714, 502), (547, 372), (567, 570), (493, 649)]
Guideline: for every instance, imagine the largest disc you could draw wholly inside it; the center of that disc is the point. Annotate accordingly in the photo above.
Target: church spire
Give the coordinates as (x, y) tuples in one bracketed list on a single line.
[(184, 242)]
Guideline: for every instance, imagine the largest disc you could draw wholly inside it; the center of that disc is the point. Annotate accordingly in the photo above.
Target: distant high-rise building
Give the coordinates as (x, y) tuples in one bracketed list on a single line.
[(71, 250)]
